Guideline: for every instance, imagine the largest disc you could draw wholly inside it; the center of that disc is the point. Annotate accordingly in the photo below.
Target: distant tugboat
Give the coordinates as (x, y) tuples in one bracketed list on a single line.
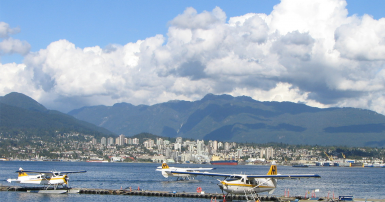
[(216, 160)]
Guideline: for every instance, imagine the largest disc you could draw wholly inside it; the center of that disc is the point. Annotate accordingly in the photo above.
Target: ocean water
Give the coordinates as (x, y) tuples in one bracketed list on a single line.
[(360, 182)]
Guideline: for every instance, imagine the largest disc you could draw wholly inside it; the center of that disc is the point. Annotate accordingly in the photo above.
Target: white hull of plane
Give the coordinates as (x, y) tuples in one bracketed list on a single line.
[(57, 191)]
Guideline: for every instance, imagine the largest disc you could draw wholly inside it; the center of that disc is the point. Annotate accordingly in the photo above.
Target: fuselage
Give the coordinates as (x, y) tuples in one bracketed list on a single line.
[(168, 171), (242, 185), (42, 179)]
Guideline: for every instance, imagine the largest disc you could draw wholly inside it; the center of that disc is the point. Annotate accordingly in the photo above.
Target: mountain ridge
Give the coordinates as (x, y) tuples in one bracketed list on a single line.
[(20, 112), (242, 119)]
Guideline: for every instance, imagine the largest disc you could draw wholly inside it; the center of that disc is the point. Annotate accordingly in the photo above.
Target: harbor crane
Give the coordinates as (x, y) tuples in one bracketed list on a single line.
[(329, 157)]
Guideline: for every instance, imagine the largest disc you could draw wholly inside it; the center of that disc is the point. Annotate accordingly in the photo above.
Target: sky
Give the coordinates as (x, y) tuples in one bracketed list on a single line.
[(70, 54)]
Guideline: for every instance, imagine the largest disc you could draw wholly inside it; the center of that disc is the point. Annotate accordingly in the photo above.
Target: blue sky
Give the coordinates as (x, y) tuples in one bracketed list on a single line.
[(99, 23), (91, 23), (146, 52)]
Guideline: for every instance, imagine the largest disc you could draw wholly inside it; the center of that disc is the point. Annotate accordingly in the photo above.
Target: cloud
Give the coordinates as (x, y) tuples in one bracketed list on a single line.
[(304, 51), (5, 30), (9, 45)]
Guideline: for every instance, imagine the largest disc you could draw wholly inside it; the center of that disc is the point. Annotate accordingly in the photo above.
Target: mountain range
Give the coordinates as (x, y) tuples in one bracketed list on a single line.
[(19, 112), (242, 119)]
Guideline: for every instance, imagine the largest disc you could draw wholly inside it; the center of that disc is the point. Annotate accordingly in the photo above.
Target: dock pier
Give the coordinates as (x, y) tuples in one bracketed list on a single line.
[(149, 193)]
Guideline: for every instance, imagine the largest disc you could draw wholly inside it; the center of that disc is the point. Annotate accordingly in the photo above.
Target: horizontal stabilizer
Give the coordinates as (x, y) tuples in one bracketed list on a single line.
[(13, 180)]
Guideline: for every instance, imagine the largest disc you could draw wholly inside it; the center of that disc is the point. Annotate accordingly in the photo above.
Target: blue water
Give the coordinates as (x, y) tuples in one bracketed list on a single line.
[(359, 182)]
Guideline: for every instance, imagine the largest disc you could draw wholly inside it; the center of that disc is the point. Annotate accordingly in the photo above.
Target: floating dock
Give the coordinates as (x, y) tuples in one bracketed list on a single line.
[(203, 195)]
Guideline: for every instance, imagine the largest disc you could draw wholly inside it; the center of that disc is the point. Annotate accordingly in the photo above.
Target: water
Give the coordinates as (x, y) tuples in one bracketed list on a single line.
[(360, 182)]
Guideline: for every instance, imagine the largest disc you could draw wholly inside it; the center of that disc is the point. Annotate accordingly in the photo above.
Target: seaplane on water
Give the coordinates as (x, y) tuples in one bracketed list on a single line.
[(250, 184), (189, 173), (49, 178)]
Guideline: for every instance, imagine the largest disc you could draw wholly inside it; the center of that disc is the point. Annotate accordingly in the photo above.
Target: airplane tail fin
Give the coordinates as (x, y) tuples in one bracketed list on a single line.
[(273, 169), (164, 165)]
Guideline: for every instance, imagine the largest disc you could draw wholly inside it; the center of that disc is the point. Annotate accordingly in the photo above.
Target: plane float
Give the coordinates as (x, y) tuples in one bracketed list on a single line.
[(249, 184), (188, 173), (49, 178)]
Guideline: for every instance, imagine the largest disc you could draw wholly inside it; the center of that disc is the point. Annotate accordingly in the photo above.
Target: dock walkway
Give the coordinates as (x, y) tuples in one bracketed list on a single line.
[(150, 193)]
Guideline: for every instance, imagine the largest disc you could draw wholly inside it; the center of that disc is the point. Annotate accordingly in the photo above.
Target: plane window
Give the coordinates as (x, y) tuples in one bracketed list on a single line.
[(247, 182), (242, 180)]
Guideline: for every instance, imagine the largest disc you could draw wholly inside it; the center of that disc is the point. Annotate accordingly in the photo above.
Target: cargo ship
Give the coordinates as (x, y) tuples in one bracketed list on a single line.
[(216, 160)]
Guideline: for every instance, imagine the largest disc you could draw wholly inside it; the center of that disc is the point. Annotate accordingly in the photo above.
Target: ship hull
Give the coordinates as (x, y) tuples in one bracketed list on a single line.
[(232, 162)]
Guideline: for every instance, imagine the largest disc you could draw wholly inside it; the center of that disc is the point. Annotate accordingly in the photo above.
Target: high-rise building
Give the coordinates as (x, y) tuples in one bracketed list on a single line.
[(177, 147), (110, 141), (179, 140), (148, 143), (227, 146), (267, 153), (135, 141), (159, 141), (121, 140), (215, 145), (103, 141), (200, 147)]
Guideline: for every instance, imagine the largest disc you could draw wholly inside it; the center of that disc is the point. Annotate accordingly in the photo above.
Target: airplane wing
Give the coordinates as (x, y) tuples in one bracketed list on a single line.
[(183, 169), (198, 169), (205, 173), (69, 172), (50, 172), (290, 176), (293, 176)]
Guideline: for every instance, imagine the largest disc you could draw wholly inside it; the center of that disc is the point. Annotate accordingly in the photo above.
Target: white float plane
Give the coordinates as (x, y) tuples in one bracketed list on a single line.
[(250, 184), (50, 178), (169, 172)]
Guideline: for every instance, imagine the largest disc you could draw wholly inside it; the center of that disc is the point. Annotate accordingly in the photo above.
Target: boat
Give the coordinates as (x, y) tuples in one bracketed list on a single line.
[(216, 160), (224, 162), (300, 166), (97, 161)]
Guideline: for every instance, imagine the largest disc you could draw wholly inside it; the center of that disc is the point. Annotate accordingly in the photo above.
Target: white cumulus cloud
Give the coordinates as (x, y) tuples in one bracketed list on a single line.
[(303, 51)]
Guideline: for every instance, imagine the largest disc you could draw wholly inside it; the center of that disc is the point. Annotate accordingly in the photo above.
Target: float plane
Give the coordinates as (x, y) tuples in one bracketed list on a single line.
[(50, 178), (250, 184), (187, 173)]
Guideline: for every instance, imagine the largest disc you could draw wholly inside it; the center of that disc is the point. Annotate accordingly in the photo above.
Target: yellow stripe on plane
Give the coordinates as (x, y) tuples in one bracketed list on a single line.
[(245, 185)]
